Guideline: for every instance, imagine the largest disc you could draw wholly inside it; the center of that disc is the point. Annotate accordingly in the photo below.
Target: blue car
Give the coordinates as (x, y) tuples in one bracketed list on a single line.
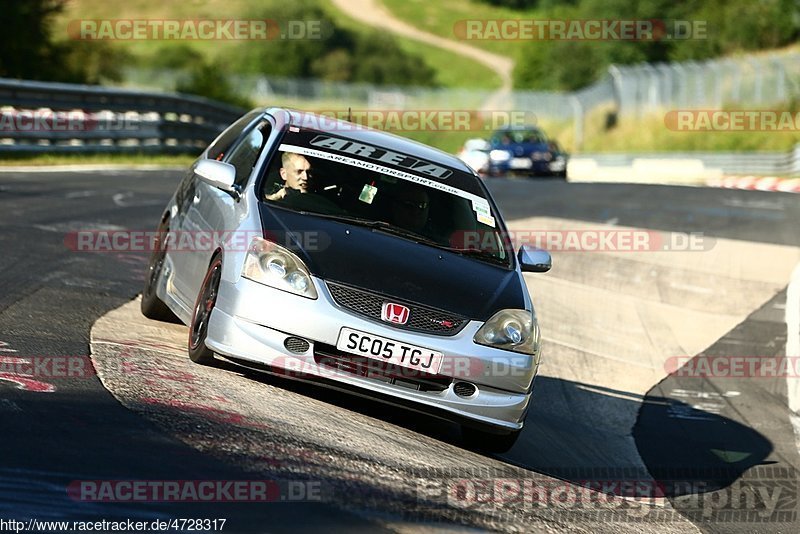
[(525, 151)]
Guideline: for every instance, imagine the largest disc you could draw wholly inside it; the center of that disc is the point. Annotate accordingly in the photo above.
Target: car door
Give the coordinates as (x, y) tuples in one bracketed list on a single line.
[(187, 199), (214, 211)]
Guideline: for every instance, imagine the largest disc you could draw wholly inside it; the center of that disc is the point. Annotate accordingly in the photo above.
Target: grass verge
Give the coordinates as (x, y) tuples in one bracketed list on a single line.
[(35, 160)]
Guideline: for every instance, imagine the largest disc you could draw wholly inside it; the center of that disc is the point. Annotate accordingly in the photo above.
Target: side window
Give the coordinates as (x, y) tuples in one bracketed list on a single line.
[(245, 154), (220, 146)]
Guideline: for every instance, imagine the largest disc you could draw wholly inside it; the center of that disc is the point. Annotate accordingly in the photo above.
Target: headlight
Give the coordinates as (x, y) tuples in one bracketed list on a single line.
[(515, 330), (272, 265), (499, 155)]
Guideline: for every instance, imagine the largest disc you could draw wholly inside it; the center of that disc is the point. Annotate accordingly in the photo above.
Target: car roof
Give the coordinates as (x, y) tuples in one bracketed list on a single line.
[(518, 128), (367, 135)]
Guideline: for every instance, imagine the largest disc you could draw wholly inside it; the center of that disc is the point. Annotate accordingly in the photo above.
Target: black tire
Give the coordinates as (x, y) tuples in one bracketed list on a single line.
[(198, 327), (487, 441), (152, 306)]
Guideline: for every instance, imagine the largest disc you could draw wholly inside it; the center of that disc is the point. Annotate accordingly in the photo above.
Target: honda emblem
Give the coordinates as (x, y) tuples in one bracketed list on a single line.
[(394, 313)]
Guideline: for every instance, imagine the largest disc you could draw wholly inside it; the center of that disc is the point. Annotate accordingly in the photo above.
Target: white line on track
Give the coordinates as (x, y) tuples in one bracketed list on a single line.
[(691, 288), (120, 199), (80, 194)]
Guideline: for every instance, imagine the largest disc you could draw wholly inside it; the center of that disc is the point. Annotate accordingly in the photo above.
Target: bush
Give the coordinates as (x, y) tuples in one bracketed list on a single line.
[(93, 62), (340, 55), (26, 49), (211, 81), (731, 26), (176, 56)]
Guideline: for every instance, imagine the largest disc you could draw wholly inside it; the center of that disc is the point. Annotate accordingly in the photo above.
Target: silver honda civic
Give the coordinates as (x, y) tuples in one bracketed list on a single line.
[(324, 251)]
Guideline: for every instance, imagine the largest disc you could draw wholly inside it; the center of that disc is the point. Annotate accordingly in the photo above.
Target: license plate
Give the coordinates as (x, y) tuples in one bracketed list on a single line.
[(389, 351), (520, 163)]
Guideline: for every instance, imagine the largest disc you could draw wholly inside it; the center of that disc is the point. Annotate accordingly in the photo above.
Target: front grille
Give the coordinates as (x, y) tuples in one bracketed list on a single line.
[(330, 356), (420, 318)]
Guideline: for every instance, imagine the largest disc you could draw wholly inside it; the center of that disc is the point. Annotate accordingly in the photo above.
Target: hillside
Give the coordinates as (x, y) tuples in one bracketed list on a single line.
[(447, 69)]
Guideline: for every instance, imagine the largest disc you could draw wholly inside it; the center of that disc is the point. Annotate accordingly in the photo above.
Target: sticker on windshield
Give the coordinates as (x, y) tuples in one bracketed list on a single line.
[(486, 219), (381, 155), (368, 193), (482, 208), (353, 162)]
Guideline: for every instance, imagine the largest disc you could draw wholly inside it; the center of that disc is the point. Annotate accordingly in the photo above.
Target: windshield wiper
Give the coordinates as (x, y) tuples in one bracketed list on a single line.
[(414, 236), (381, 225), (479, 253)]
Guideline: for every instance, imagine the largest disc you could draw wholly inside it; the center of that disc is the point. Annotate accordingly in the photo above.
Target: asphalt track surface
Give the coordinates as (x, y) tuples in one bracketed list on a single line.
[(52, 296)]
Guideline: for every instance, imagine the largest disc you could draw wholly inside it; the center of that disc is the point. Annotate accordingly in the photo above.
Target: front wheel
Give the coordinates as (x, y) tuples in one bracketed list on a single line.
[(198, 328), (488, 442)]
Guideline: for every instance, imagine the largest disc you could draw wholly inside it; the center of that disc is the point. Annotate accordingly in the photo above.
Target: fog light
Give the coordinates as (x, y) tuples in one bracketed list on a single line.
[(296, 345), (464, 389)]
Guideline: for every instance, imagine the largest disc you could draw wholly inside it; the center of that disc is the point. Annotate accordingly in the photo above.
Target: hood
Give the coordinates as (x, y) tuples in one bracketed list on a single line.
[(394, 266)]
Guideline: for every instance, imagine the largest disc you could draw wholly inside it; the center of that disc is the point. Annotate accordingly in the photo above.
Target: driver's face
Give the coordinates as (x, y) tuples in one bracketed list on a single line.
[(295, 173)]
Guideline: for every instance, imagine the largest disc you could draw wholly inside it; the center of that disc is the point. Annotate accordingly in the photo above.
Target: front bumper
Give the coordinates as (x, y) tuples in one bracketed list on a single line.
[(536, 168), (252, 321)]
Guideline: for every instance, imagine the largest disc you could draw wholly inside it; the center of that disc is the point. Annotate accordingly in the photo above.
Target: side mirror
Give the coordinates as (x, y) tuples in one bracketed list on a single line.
[(218, 174), (534, 260)]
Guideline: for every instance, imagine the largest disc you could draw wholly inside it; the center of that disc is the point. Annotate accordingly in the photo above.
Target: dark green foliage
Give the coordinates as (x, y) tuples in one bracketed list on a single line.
[(731, 26), (175, 56), (339, 55), (28, 52), (212, 81)]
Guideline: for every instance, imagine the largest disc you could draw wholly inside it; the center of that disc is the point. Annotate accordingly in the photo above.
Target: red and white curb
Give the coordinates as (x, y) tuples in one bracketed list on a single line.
[(758, 183)]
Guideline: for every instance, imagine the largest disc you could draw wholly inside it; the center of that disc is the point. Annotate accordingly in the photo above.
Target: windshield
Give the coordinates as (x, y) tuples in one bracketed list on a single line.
[(518, 136), (335, 177)]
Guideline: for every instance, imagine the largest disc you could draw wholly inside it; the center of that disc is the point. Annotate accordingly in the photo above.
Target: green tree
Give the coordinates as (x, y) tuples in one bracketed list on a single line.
[(26, 49), (93, 62), (730, 26), (211, 81), (378, 59), (175, 56), (339, 55)]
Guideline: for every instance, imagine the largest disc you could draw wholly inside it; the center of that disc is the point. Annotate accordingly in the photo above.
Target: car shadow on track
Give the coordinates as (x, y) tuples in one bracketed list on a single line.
[(579, 433)]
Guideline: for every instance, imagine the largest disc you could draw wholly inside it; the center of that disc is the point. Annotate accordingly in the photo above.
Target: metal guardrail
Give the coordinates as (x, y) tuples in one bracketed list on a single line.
[(770, 78), (756, 163), (58, 117)]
